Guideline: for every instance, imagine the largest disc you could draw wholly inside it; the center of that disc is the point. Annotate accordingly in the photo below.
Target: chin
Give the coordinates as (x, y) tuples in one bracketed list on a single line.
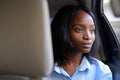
[(86, 50)]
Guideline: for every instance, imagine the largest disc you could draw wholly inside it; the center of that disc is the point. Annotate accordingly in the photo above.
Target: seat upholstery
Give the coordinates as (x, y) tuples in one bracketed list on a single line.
[(25, 38)]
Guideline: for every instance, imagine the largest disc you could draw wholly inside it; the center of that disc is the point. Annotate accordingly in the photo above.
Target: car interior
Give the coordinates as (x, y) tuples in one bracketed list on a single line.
[(25, 36), (25, 39), (108, 38)]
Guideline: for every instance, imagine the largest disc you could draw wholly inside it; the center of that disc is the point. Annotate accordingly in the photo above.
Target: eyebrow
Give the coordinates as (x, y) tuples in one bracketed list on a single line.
[(77, 24), (91, 25)]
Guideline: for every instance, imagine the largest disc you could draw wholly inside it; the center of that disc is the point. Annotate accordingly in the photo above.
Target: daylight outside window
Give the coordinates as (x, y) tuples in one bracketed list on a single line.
[(114, 21)]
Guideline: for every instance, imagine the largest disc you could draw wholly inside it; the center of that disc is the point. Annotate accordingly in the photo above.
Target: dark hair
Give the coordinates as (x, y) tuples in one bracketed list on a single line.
[(60, 28)]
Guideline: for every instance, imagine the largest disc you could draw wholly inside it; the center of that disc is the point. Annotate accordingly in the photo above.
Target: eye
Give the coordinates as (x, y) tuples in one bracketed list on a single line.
[(78, 30), (92, 31)]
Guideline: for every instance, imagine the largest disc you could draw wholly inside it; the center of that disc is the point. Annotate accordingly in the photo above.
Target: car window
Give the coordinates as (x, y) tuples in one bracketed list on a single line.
[(114, 20)]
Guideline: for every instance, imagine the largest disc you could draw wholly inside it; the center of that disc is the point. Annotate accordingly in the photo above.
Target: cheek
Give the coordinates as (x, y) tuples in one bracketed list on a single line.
[(93, 37), (76, 39)]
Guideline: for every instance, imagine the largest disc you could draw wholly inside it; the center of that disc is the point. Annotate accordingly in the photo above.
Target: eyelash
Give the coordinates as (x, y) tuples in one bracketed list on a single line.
[(78, 30), (92, 31)]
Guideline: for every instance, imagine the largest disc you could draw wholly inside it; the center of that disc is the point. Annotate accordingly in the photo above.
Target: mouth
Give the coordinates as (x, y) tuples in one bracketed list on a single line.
[(86, 45)]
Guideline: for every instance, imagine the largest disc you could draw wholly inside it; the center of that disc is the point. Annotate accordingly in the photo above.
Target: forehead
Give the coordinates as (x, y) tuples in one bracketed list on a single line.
[(83, 18)]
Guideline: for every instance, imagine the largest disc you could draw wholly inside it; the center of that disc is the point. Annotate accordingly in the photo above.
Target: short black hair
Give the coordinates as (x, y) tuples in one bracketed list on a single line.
[(60, 28)]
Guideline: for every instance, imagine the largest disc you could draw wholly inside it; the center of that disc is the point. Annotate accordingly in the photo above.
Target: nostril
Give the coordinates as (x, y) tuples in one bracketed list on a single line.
[(86, 36)]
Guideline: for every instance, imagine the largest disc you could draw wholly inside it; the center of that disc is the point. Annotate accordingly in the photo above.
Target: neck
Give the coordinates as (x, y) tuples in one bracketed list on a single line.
[(74, 59), (73, 62)]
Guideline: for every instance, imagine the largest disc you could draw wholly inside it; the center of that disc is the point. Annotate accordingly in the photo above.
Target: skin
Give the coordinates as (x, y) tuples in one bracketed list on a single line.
[(82, 35)]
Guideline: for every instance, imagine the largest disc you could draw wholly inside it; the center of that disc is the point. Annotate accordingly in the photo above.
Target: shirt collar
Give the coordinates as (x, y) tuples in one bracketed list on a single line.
[(56, 68), (85, 64)]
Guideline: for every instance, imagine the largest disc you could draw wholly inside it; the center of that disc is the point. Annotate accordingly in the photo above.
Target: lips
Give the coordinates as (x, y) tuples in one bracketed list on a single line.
[(86, 45)]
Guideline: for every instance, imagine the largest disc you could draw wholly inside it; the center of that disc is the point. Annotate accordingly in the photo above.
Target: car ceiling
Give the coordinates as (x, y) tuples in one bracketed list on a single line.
[(55, 5)]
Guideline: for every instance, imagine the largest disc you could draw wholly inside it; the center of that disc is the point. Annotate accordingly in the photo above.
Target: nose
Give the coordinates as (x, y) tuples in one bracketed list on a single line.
[(86, 35)]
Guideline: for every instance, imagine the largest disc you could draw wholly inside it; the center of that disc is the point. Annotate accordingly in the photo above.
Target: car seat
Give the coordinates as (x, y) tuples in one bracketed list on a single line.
[(25, 38)]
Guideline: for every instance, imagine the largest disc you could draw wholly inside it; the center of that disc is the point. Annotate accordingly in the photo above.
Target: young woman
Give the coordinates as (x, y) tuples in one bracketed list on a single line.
[(74, 36)]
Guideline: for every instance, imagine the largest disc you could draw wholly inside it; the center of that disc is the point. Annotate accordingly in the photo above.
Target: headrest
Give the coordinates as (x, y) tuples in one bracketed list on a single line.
[(25, 38)]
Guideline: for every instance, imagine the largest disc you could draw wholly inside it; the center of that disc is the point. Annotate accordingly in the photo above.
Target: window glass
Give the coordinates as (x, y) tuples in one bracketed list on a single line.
[(114, 21)]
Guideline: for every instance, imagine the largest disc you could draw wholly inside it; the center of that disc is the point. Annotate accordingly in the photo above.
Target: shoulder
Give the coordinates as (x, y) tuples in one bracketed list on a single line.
[(99, 64), (103, 69)]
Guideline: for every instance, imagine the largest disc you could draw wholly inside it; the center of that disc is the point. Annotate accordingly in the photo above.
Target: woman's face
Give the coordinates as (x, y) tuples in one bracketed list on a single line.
[(82, 32)]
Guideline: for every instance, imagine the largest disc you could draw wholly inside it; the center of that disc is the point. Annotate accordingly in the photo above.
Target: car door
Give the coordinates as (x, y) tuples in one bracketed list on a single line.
[(109, 39)]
